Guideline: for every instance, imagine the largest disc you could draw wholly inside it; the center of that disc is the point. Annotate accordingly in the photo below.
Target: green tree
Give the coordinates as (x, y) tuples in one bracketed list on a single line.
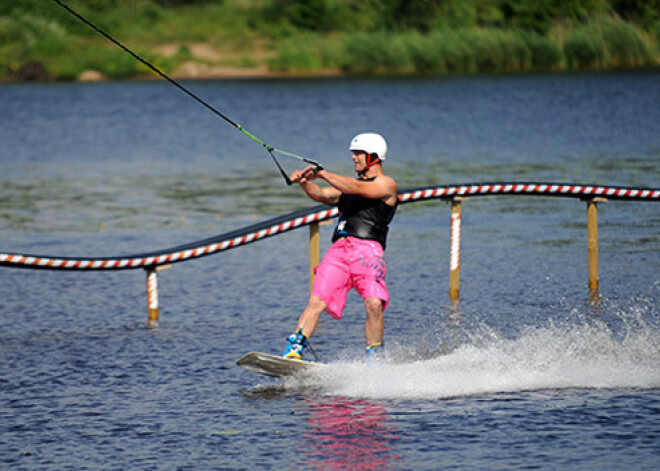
[(539, 16), (418, 15), (304, 14), (645, 13)]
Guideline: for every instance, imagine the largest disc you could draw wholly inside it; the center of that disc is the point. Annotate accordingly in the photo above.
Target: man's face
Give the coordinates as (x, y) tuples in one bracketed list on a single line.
[(359, 160)]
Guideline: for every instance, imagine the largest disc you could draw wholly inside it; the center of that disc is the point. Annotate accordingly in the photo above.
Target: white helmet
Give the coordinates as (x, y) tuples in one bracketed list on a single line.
[(371, 143)]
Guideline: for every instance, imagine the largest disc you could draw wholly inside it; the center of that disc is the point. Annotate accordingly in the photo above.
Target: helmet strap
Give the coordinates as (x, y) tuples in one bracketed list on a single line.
[(372, 159)]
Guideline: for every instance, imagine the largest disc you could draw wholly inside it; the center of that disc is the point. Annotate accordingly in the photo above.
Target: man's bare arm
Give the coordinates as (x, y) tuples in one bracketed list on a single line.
[(383, 187), (326, 195)]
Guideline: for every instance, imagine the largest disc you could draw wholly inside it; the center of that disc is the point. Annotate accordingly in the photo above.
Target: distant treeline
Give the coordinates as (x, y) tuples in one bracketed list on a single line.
[(39, 40)]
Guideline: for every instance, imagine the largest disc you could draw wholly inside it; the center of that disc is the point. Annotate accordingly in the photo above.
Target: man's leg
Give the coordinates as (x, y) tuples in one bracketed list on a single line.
[(307, 322), (375, 324), (309, 318)]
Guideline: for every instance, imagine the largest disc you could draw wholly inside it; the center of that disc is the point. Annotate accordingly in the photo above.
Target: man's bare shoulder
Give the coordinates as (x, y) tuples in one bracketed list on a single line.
[(389, 189), (388, 182)]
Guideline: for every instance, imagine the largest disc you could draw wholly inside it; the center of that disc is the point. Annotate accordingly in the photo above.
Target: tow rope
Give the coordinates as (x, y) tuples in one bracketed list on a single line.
[(271, 150)]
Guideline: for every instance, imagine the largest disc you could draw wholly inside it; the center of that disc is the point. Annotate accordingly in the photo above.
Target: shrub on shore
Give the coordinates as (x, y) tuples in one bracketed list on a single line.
[(607, 42), (464, 51)]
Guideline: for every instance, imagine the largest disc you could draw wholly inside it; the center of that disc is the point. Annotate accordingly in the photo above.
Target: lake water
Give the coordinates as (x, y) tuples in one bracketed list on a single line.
[(524, 373)]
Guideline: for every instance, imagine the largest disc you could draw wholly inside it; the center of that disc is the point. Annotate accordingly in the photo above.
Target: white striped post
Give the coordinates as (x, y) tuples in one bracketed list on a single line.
[(152, 294), (455, 249), (152, 297)]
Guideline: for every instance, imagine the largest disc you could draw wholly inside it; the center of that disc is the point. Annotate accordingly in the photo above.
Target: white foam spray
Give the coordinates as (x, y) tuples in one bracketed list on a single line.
[(584, 356)]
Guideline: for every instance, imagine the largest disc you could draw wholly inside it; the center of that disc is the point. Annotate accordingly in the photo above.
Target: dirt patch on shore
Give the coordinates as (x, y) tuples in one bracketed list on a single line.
[(196, 70), (209, 61), (202, 51), (217, 62)]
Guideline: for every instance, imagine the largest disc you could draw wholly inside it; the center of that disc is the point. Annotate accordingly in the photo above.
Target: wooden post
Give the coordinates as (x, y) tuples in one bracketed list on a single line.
[(455, 249), (152, 294), (314, 251), (592, 245)]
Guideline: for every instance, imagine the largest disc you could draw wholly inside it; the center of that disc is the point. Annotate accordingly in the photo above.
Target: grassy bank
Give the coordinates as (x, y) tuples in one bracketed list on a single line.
[(39, 40), (600, 43)]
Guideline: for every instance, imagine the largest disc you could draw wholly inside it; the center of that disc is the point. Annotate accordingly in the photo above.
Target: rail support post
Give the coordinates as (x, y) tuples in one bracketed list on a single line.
[(152, 294), (592, 246), (455, 249), (314, 251)]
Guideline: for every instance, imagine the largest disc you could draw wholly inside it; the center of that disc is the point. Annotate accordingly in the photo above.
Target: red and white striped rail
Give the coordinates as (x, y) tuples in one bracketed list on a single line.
[(318, 213), (538, 189), (167, 257)]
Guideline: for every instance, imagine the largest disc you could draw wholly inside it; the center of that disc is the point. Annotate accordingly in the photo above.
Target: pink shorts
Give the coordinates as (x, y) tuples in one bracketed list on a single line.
[(350, 263)]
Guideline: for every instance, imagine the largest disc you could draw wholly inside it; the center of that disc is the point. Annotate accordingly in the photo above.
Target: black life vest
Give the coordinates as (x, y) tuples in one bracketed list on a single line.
[(364, 218)]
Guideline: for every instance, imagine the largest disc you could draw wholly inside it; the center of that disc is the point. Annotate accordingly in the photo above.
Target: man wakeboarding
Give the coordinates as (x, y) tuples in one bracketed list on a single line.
[(355, 260)]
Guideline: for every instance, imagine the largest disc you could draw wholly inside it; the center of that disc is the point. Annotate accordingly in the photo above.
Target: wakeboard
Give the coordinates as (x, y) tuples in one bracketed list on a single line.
[(273, 365)]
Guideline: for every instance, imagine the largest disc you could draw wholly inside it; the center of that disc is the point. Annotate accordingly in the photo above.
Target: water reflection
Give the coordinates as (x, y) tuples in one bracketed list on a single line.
[(349, 434), (341, 433)]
